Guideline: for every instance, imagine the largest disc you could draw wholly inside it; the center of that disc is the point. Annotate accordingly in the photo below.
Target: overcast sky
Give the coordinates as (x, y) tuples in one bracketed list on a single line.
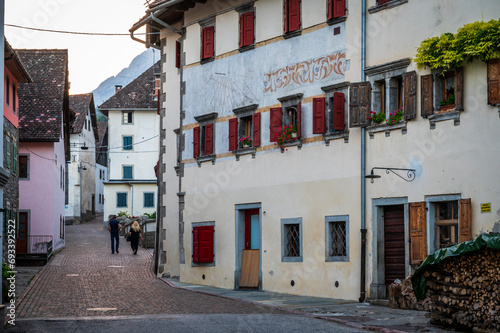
[(92, 59)]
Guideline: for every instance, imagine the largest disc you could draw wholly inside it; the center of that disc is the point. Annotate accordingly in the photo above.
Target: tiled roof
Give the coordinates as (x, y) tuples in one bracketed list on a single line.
[(138, 94), (80, 105), (42, 103)]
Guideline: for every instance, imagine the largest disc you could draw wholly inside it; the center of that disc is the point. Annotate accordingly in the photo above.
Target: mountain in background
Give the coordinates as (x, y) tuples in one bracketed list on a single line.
[(138, 66)]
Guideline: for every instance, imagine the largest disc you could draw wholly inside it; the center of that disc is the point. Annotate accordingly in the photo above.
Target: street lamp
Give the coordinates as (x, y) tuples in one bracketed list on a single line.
[(410, 173)]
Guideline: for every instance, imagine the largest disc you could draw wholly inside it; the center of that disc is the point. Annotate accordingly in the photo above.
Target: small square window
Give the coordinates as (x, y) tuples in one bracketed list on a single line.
[(291, 240), (128, 117), (24, 167)]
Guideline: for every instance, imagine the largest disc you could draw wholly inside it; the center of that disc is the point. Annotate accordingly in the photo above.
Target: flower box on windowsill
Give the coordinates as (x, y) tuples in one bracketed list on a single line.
[(446, 108), (291, 143), (383, 127)]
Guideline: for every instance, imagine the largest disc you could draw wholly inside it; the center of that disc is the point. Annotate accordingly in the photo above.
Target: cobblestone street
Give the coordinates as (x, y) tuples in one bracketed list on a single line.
[(85, 279)]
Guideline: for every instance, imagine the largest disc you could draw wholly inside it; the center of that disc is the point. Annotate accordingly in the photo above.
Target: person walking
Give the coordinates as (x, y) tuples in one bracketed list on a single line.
[(135, 233), (114, 227)]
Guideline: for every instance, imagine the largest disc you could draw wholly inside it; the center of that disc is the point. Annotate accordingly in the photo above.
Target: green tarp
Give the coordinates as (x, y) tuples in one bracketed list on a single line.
[(419, 281)]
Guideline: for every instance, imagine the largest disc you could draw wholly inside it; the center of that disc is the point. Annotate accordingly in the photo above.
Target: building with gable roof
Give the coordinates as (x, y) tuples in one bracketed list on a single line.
[(133, 147), (44, 127), (81, 186), (101, 170), (14, 73)]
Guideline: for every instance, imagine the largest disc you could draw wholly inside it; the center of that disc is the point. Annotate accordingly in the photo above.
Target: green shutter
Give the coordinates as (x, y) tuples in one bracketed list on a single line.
[(149, 200), (121, 200), (8, 153), (127, 143), (14, 158)]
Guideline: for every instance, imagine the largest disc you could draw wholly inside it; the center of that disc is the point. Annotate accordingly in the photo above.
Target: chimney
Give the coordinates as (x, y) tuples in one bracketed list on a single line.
[(118, 87)]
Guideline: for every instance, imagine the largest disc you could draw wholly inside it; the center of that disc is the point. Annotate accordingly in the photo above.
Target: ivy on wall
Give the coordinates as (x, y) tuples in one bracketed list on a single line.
[(478, 40)]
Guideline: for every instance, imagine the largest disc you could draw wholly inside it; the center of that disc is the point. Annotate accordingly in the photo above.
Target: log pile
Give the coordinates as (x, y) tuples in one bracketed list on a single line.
[(465, 290), (401, 296)]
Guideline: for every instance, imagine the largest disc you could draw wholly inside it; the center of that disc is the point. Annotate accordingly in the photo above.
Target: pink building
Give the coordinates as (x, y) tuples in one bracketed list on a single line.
[(43, 150)]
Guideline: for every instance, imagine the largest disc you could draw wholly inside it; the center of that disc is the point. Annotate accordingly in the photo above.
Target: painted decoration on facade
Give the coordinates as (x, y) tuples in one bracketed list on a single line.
[(305, 72)]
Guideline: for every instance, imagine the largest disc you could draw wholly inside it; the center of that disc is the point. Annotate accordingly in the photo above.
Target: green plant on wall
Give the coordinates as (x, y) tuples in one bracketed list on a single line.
[(478, 40)]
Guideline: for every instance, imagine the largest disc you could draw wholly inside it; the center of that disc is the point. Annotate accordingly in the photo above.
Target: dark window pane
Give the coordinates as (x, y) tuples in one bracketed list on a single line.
[(338, 239), (292, 240), (23, 166)]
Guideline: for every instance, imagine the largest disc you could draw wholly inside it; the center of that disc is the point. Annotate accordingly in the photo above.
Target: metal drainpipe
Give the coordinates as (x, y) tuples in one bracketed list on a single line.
[(362, 295)]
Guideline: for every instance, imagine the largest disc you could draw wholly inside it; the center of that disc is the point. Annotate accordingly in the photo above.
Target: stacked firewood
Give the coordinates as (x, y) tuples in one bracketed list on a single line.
[(401, 296), (465, 290)]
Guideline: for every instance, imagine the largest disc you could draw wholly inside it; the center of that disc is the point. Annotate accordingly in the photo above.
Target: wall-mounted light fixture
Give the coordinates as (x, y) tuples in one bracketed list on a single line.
[(410, 173)]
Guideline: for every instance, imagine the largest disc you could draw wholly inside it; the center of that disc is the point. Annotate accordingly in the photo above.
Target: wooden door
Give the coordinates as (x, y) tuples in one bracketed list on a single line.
[(22, 234), (251, 253), (394, 240)]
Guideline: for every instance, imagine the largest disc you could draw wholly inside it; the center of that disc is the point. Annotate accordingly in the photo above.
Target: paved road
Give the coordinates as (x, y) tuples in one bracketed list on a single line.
[(85, 282)]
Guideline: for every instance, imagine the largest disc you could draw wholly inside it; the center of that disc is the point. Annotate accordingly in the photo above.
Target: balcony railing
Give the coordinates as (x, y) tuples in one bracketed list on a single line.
[(40, 244)]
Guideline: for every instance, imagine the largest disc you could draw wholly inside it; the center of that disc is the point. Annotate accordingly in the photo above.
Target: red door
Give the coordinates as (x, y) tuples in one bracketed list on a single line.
[(394, 234), (22, 234)]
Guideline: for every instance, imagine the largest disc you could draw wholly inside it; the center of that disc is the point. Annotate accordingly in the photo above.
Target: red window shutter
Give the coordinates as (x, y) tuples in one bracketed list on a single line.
[(338, 8), (275, 123), (330, 9), (177, 54), (196, 141), (256, 129), (206, 243), (208, 42), (293, 15), (233, 134), (286, 15), (248, 35), (209, 139), (299, 120), (196, 244), (381, 2), (319, 123), (242, 30), (338, 111)]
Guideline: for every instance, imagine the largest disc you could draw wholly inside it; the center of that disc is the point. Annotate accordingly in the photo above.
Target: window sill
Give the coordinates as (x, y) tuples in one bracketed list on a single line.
[(207, 60), (450, 115), (337, 20), (386, 5), (202, 264), (372, 129), (336, 135), (246, 48), (244, 151), (292, 34), (297, 143), (202, 159), (337, 259), (291, 259)]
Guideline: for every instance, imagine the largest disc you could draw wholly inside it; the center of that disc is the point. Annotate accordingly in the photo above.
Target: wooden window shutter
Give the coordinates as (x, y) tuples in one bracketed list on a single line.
[(338, 8), (494, 82), (426, 95), (196, 141), (276, 115), (196, 244), (381, 2), (292, 15), (319, 123), (248, 28), (330, 9), (286, 15), (299, 120), (410, 95), (459, 89), (208, 42), (242, 30), (177, 54), (206, 243), (359, 103), (465, 220), (233, 134), (338, 111), (209, 139), (256, 129), (418, 233)]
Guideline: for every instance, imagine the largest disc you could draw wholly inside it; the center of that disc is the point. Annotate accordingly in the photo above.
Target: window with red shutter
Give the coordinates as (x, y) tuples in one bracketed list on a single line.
[(206, 244), (256, 129), (207, 49), (209, 139), (196, 141), (275, 123), (338, 111), (203, 244), (233, 134), (299, 120), (177, 54), (247, 29), (381, 2), (292, 15), (319, 115), (336, 8)]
